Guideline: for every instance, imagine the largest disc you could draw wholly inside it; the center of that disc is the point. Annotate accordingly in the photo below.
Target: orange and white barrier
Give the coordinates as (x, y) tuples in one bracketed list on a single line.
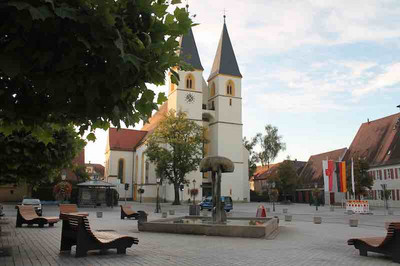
[(357, 206)]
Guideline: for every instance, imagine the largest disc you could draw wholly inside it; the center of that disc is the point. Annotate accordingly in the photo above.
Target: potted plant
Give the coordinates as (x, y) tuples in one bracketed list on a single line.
[(62, 191)]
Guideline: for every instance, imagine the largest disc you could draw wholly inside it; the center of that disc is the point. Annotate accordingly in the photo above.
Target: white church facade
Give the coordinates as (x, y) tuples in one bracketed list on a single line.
[(215, 104)]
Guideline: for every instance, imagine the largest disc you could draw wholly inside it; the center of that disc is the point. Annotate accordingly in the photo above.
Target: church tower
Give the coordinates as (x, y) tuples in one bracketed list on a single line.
[(187, 96), (224, 84)]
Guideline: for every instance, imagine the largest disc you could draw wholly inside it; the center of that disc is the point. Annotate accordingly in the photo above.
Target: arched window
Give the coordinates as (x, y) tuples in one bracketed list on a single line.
[(121, 170), (212, 90), (143, 168), (230, 88), (147, 172), (172, 85), (136, 169), (190, 82)]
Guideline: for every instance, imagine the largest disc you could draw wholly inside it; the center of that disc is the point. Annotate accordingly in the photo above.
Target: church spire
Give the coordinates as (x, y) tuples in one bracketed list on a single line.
[(225, 60), (188, 52)]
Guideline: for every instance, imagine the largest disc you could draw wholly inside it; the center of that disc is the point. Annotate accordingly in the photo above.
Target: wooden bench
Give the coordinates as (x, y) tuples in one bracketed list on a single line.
[(76, 231), (27, 215), (71, 209), (126, 211), (388, 245)]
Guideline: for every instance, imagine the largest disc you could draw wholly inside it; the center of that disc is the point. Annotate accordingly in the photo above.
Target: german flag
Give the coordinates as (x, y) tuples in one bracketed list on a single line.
[(342, 175)]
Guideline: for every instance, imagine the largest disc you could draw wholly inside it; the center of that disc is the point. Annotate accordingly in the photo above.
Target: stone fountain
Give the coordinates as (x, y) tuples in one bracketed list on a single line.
[(218, 225)]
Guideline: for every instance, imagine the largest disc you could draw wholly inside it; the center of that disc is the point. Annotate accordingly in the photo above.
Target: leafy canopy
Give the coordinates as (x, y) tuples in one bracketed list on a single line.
[(176, 148), (25, 158), (85, 62), (286, 177), (270, 143), (362, 179), (250, 145)]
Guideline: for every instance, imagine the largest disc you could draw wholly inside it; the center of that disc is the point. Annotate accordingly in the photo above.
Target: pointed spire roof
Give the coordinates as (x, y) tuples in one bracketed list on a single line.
[(189, 52), (225, 60)]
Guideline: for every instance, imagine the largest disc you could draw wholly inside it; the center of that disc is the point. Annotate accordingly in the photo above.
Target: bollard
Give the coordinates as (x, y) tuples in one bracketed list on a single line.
[(285, 210), (164, 215), (99, 214), (317, 219), (353, 222), (171, 212), (288, 218)]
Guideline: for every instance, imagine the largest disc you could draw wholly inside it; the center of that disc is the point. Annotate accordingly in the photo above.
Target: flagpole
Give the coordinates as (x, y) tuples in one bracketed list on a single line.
[(352, 178)]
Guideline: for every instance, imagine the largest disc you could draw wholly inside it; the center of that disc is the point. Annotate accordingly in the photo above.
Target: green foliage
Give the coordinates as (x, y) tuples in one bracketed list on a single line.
[(286, 177), (362, 179), (80, 172), (25, 158), (176, 148), (84, 62), (249, 145), (271, 144)]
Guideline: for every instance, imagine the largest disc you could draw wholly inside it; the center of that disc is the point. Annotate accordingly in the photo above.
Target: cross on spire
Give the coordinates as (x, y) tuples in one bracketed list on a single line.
[(187, 5), (224, 15)]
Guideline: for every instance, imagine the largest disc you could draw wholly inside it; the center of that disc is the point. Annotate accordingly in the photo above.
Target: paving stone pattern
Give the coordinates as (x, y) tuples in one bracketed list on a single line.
[(299, 242)]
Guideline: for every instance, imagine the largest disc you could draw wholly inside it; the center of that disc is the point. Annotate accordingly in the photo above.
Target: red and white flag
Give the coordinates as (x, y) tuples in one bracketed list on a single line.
[(325, 174)]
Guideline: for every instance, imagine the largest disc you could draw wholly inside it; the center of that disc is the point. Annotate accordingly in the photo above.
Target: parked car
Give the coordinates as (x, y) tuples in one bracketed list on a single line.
[(36, 204), (1, 210), (207, 203)]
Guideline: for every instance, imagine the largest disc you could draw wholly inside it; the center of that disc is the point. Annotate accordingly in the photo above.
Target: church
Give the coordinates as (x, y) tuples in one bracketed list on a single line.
[(215, 103)]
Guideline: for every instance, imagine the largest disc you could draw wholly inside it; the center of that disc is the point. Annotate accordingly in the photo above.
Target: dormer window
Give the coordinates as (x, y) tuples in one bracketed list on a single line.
[(190, 82), (230, 89)]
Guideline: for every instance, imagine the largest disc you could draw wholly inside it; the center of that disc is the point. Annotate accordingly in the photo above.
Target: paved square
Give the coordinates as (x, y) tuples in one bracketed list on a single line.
[(299, 242)]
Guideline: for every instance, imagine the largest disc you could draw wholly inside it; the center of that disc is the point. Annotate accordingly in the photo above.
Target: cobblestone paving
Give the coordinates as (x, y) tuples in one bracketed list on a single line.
[(299, 242)]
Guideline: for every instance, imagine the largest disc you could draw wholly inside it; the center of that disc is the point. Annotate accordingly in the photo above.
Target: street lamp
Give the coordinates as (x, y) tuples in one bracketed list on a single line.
[(158, 207), (316, 195), (273, 197), (63, 175)]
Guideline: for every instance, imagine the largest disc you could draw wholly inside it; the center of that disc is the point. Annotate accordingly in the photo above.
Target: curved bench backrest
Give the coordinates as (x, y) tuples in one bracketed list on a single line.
[(68, 208), (27, 212)]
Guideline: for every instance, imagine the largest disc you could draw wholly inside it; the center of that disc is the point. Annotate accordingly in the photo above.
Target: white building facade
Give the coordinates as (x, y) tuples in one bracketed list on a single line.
[(215, 104)]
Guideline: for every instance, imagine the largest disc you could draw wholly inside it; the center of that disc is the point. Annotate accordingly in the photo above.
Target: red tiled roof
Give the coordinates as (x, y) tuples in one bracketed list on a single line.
[(156, 118), (312, 172), (377, 141), (124, 139), (264, 173), (98, 168)]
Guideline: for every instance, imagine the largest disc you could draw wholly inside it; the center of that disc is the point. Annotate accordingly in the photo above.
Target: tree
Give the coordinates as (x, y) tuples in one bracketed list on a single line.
[(249, 145), (286, 178), (25, 158), (271, 144), (84, 62), (176, 148), (362, 179)]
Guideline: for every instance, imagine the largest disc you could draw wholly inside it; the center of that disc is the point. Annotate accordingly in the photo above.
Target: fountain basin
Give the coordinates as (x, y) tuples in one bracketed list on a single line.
[(250, 227)]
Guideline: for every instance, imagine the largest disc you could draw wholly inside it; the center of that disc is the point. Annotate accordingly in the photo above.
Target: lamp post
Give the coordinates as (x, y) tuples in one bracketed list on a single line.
[(273, 198), (316, 195), (158, 207)]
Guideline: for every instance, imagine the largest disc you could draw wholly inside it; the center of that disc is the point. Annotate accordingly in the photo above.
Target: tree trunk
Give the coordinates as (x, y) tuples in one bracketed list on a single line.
[(176, 200)]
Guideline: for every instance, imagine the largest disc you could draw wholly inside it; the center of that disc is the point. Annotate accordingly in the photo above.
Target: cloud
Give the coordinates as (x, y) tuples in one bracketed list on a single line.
[(389, 78)]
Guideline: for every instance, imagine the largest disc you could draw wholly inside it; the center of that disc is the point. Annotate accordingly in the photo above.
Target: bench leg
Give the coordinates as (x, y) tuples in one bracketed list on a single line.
[(363, 252), (80, 252), (121, 250), (51, 225), (65, 245), (41, 225)]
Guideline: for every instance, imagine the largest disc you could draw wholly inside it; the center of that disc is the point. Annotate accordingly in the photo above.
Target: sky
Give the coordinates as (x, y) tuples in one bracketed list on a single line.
[(314, 69)]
